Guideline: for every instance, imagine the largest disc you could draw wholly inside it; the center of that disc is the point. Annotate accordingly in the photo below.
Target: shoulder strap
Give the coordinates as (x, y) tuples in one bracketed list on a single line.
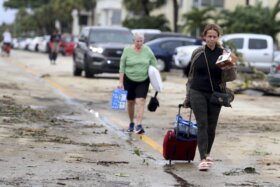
[(206, 61), (197, 52)]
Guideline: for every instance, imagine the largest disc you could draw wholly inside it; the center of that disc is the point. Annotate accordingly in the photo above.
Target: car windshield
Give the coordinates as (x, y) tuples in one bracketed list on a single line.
[(110, 36)]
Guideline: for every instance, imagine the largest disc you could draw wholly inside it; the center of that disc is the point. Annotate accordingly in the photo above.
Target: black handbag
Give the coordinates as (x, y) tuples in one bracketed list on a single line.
[(219, 98), (153, 104)]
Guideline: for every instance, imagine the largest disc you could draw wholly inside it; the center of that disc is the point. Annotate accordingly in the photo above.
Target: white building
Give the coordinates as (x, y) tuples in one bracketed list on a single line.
[(109, 12)]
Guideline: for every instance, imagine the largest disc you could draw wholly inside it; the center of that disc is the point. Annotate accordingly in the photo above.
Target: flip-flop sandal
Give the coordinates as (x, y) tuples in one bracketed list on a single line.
[(209, 161), (203, 166), (210, 164)]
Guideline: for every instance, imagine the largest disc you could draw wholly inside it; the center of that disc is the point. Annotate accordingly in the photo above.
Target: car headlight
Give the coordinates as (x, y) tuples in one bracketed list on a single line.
[(182, 53), (96, 49)]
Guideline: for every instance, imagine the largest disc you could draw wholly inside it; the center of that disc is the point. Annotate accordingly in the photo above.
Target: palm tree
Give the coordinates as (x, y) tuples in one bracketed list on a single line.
[(273, 21), (140, 14), (196, 19), (143, 7), (255, 19)]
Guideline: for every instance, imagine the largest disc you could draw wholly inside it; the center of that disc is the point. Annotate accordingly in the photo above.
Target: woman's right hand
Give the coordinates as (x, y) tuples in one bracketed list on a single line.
[(187, 103), (120, 86)]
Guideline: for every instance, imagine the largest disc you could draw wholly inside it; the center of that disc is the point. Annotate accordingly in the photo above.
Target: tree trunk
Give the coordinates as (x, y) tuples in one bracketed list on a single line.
[(175, 15), (145, 4)]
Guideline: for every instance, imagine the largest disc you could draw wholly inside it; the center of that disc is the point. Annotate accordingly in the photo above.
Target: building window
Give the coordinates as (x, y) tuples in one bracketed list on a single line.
[(83, 19), (116, 17), (195, 3), (206, 3), (218, 3)]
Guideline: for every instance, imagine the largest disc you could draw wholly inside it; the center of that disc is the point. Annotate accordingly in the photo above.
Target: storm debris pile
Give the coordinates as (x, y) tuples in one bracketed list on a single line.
[(11, 112)]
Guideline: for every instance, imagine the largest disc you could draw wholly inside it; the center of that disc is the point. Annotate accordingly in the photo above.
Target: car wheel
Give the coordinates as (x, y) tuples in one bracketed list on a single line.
[(76, 71), (161, 64), (36, 48), (88, 72)]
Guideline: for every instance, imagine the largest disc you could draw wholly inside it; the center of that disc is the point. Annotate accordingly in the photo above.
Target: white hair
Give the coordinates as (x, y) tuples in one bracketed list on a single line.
[(138, 35)]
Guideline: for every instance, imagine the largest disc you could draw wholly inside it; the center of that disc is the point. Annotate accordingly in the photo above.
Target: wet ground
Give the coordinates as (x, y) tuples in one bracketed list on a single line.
[(59, 130)]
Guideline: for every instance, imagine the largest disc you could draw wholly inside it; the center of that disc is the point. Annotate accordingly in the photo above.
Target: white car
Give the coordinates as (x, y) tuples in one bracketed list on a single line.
[(43, 44), (182, 55), (23, 44), (257, 50), (33, 45)]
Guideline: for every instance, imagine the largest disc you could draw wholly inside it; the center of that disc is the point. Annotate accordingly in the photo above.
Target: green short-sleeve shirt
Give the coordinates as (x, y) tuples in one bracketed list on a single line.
[(135, 65)]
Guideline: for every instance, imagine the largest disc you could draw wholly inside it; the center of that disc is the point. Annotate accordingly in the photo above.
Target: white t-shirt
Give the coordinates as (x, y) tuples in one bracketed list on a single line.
[(7, 38)]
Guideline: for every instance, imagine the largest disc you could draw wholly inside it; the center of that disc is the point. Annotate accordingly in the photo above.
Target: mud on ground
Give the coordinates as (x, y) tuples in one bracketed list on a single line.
[(49, 140), (40, 148)]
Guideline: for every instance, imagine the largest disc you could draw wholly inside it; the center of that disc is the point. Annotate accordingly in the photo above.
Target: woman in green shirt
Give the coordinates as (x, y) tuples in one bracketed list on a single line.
[(134, 65)]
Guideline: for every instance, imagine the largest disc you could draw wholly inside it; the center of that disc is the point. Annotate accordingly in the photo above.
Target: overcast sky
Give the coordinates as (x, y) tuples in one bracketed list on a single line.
[(6, 16)]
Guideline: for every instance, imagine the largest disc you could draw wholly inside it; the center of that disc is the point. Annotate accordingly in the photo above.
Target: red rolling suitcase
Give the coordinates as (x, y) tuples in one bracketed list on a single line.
[(179, 146)]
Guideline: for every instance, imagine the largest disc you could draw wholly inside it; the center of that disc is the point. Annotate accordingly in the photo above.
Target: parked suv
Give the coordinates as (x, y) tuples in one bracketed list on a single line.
[(99, 50)]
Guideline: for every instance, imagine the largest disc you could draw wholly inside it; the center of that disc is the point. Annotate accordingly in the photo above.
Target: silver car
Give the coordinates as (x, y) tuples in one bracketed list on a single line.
[(274, 74)]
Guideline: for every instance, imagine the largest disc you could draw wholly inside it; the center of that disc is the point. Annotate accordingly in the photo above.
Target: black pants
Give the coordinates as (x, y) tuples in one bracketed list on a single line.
[(53, 50), (206, 115), (53, 56)]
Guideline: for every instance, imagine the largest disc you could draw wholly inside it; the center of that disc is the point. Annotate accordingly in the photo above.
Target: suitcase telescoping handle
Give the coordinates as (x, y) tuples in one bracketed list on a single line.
[(179, 113)]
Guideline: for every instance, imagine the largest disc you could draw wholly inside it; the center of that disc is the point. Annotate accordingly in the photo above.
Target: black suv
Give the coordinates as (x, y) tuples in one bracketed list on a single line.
[(99, 50)]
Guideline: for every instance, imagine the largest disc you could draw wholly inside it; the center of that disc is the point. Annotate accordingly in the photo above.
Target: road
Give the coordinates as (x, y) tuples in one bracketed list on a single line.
[(57, 129)]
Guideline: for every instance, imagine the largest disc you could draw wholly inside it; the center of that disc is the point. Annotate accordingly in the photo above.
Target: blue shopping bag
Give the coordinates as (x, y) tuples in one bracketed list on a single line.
[(119, 99), (185, 126)]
